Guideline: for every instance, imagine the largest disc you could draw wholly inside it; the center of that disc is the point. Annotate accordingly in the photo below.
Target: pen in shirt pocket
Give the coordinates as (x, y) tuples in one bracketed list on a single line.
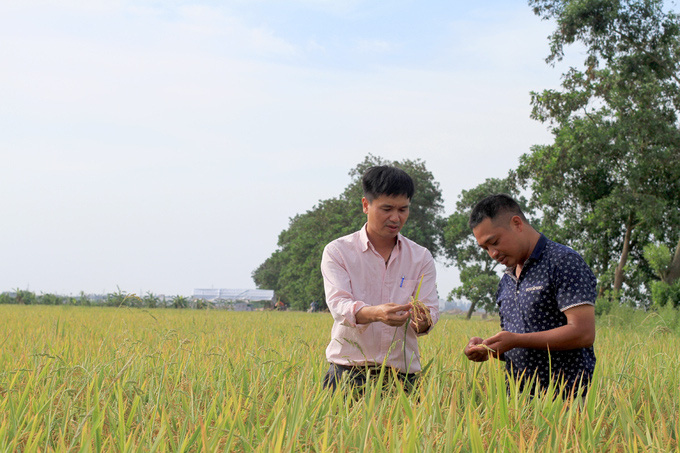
[(401, 284)]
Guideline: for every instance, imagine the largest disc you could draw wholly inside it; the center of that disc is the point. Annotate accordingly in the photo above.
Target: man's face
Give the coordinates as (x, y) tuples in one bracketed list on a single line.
[(386, 215), (501, 240)]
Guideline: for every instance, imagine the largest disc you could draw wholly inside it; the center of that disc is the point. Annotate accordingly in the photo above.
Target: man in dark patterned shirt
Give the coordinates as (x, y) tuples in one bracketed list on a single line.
[(546, 301)]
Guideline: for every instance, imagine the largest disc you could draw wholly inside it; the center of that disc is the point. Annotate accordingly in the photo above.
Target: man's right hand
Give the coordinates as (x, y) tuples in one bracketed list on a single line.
[(391, 314), (475, 351)]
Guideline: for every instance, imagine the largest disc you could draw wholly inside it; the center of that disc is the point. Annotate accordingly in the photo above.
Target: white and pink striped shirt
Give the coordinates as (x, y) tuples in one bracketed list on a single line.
[(355, 275)]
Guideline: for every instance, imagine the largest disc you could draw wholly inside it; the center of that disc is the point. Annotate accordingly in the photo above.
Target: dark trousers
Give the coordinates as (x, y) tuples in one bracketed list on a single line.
[(357, 376)]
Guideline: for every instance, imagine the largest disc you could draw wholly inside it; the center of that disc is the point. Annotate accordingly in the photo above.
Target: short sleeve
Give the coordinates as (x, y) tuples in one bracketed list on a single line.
[(575, 283)]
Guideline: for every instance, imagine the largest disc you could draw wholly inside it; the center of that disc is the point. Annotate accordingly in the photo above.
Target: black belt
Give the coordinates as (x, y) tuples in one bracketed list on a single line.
[(364, 368)]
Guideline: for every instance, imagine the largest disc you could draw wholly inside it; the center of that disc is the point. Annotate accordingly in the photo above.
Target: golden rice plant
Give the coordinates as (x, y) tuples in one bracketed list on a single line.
[(122, 379)]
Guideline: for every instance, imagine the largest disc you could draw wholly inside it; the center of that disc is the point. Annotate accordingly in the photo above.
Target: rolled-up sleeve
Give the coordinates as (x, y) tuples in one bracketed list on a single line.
[(428, 292), (338, 288)]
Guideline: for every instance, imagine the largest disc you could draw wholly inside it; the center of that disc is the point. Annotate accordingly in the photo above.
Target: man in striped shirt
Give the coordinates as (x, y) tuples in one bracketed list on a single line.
[(370, 278)]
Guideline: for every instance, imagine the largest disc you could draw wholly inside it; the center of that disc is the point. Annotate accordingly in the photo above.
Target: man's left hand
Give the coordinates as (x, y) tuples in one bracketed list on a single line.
[(501, 342), (420, 319)]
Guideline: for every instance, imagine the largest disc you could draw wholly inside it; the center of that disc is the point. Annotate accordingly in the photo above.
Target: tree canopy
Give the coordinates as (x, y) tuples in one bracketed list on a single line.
[(293, 270), (610, 182), (608, 185), (479, 273)]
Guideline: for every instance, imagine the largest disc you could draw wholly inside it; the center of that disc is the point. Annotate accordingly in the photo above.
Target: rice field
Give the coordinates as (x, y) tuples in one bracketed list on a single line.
[(122, 379)]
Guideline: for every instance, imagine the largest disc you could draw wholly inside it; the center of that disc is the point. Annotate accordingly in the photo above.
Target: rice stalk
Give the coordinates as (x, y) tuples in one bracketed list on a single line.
[(105, 379)]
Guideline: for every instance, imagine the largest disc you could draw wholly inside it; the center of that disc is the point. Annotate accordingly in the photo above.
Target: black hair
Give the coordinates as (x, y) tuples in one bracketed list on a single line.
[(493, 206), (386, 180)]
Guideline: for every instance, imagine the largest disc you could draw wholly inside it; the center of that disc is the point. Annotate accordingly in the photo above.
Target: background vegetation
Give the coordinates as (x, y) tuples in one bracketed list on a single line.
[(608, 186), (130, 379), (117, 299), (293, 269)]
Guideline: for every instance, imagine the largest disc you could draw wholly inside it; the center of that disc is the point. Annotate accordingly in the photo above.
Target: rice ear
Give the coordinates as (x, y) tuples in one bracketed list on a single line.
[(418, 304)]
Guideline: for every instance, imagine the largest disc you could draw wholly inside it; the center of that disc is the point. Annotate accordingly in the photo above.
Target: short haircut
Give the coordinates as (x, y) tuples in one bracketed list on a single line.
[(492, 207), (386, 180)]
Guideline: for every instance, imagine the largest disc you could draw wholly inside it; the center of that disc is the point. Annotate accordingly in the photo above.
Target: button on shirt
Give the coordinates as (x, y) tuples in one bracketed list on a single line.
[(554, 279), (355, 275)]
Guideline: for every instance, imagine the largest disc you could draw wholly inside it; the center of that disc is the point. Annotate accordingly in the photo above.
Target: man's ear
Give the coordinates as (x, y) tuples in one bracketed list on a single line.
[(364, 203), (517, 223)]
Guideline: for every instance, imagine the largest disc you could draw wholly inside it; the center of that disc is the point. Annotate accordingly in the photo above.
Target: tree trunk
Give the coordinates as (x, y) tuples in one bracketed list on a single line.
[(600, 291), (471, 309), (674, 269), (618, 275)]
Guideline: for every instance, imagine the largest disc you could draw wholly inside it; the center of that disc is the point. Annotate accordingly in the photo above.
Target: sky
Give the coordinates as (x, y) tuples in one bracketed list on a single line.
[(160, 147)]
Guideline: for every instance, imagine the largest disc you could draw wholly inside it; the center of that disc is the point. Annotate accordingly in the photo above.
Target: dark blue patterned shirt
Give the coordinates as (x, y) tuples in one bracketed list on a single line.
[(554, 279)]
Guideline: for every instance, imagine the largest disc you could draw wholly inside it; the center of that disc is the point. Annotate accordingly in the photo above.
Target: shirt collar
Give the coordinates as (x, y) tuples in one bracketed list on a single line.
[(363, 235), (366, 244), (538, 249)]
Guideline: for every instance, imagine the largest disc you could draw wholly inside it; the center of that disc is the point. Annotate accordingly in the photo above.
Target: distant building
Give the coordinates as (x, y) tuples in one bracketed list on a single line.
[(96, 299), (235, 299)]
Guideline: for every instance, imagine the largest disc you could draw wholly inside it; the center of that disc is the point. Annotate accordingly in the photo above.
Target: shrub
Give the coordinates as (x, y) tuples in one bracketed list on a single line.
[(664, 294)]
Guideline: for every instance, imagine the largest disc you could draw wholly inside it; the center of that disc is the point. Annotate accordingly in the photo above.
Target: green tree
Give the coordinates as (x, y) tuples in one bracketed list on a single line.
[(610, 182), (479, 274), (179, 302), (50, 299), (425, 219), (152, 300), (122, 298), (83, 299), (25, 297), (293, 269), (665, 291), (673, 275), (202, 304)]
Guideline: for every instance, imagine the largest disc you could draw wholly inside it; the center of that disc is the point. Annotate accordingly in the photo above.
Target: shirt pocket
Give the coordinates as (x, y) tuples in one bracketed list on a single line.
[(406, 290)]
